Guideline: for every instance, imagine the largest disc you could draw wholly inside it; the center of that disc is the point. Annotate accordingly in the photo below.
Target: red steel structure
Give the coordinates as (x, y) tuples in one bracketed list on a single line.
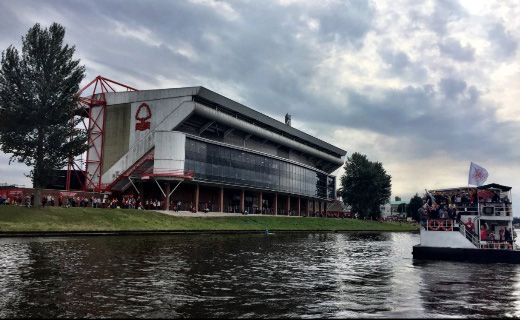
[(92, 107)]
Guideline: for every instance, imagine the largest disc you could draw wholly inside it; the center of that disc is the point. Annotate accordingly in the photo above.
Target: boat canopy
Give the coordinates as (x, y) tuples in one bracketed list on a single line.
[(495, 186)]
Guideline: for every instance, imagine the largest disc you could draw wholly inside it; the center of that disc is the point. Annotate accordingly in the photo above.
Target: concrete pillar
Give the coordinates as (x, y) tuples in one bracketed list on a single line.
[(167, 201), (298, 207), (197, 197), (260, 201), (221, 199), (275, 203), (288, 206), (242, 201), (313, 205), (307, 208)]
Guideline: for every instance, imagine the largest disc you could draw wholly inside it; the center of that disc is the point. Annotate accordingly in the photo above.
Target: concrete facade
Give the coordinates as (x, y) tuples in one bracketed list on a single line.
[(278, 168)]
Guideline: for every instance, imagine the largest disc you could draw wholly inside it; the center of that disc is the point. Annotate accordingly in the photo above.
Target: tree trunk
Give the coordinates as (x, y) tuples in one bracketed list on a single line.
[(37, 195)]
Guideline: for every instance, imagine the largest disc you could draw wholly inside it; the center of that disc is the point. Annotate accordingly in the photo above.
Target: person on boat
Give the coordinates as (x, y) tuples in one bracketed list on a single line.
[(470, 226), (483, 233), (501, 236), (442, 214), (449, 211), (422, 216), (474, 197), (491, 236), (507, 235)]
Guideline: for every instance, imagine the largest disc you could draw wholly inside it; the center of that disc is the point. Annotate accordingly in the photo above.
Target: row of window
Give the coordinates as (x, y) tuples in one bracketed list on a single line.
[(222, 164)]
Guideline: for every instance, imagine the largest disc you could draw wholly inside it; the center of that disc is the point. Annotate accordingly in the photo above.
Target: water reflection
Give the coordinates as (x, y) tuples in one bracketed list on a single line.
[(451, 288), (283, 275)]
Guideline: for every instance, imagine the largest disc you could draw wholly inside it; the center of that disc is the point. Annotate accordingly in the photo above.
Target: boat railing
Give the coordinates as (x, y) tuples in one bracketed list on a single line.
[(494, 244), (440, 225), (469, 235), (501, 245), (498, 209), (494, 209)]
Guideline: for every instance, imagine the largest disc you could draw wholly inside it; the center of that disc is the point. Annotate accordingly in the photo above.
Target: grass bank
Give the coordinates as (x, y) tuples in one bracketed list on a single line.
[(14, 218)]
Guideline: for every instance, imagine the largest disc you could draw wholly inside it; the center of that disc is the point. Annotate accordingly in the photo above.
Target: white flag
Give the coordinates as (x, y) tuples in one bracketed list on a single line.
[(477, 175)]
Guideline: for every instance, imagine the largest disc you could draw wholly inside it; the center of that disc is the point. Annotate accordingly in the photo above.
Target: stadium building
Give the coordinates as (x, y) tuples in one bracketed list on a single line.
[(199, 148)]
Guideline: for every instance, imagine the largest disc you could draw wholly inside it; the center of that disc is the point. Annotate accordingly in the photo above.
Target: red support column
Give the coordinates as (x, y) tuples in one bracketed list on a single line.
[(275, 204), (307, 207), (288, 205), (299, 212), (197, 197)]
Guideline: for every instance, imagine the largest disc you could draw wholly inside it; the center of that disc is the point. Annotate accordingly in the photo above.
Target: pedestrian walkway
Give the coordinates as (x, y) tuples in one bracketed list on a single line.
[(198, 214), (214, 214)]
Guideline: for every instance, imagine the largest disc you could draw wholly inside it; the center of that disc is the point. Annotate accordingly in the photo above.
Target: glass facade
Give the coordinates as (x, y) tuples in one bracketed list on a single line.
[(217, 163)]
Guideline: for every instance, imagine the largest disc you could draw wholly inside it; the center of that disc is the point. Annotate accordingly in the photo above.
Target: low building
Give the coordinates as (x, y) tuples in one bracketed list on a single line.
[(338, 209)]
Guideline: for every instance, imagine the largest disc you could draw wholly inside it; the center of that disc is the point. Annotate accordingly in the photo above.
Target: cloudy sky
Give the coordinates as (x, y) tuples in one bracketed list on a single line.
[(425, 87)]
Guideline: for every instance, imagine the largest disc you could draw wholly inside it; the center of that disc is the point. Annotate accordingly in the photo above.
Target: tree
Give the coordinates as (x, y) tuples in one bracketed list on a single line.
[(365, 186), (413, 206), (401, 207), (37, 99)]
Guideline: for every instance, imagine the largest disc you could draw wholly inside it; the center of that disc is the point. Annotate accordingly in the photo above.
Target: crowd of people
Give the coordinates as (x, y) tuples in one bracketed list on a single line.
[(436, 211), (76, 201), (445, 205), (463, 197)]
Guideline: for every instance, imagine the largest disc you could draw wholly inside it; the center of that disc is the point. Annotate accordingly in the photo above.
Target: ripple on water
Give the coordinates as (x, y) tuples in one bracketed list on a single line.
[(248, 276)]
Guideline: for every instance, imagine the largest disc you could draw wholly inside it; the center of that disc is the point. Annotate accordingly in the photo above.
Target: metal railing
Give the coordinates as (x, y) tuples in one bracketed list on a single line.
[(494, 209), (500, 209), (441, 225), (495, 244), (470, 236)]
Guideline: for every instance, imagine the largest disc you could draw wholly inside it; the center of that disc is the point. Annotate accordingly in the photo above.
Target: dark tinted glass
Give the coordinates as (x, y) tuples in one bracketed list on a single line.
[(222, 164)]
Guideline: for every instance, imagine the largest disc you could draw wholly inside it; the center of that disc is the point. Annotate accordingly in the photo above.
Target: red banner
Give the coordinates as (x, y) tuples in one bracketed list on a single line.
[(11, 193)]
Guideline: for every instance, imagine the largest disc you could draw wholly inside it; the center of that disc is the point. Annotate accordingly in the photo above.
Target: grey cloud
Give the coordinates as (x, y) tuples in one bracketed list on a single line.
[(400, 65), (445, 12), (259, 57), (452, 88), (504, 42), (14, 172), (462, 128), (350, 20), (453, 49)]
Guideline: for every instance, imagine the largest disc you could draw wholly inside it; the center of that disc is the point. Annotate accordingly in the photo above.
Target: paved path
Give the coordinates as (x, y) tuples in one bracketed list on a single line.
[(198, 214), (212, 214)]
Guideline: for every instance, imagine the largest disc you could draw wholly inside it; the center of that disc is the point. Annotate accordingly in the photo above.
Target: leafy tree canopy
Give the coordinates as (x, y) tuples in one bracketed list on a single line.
[(365, 186), (37, 96), (413, 206)]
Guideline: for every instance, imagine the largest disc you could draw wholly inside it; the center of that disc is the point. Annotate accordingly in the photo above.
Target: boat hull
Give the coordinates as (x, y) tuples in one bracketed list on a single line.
[(466, 255)]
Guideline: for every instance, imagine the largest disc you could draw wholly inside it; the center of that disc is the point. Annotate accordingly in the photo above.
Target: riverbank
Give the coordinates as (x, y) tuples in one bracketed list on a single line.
[(55, 219)]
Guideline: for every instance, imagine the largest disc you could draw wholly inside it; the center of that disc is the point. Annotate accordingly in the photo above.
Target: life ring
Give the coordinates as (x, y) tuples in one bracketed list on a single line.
[(431, 227), (447, 222)]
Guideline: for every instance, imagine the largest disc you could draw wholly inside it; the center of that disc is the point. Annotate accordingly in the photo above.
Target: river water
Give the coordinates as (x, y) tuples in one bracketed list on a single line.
[(332, 275)]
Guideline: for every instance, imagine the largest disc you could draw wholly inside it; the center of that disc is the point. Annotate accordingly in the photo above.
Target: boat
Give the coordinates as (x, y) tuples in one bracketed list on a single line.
[(455, 239)]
